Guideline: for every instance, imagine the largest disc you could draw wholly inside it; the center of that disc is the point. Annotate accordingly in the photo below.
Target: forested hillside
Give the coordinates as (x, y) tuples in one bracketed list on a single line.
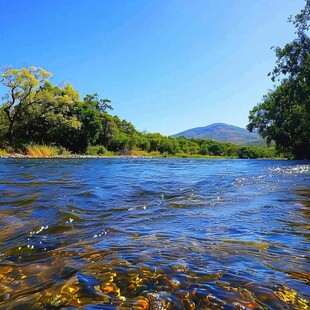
[(224, 133)]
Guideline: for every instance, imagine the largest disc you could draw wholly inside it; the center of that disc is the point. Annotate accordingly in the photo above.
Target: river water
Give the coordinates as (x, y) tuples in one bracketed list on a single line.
[(154, 234)]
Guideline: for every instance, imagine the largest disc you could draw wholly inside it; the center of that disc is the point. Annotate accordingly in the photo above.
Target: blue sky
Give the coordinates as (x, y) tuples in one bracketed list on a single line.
[(167, 65)]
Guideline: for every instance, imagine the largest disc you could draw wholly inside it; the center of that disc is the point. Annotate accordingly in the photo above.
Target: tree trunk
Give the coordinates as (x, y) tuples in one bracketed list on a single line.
[(11, 133)]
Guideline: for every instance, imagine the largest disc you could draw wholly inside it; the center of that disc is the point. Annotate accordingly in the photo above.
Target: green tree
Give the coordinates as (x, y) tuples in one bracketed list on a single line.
[(232, 150), (283, 116), (37, 111), (109, 131), (193, 147), (98, 104), (217, 149), (3, 128), (24, 87), (121, 143), (52, 119), (155, 139), (183, 143), (204, 149), (169, 145), (143, 143)]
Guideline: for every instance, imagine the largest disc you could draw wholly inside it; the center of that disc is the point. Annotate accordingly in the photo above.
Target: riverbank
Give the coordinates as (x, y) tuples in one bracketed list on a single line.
[(79, 156), (71, 156), (39, 152), (85, 156)]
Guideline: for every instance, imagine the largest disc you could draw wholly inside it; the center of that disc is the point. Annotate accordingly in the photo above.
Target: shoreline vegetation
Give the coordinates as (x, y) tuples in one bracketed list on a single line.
[(220, 150), (77, 156), (39, 152)]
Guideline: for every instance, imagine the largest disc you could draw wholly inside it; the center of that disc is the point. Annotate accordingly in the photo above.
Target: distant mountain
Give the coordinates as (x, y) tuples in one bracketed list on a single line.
[(225, 133)]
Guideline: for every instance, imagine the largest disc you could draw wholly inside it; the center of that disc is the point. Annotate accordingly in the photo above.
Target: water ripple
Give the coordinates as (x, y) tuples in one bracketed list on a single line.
[(154, 234)]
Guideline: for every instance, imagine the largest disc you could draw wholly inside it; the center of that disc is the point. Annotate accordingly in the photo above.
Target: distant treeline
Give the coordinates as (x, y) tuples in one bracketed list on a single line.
[(36, 112)]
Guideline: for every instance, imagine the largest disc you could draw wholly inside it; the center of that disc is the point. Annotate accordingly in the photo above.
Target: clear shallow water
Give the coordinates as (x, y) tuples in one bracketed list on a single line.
[(154, 234)]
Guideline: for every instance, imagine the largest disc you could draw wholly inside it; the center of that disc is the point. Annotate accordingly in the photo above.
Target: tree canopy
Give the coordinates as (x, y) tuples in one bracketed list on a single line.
[(24, 87), (283, 116)]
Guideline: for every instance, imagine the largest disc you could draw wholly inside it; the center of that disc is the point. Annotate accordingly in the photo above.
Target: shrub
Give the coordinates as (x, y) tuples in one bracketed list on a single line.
[(97, 150), (63, 151)]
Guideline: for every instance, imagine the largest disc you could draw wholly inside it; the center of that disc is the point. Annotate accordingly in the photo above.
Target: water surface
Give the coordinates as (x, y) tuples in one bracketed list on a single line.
[(154, 234)]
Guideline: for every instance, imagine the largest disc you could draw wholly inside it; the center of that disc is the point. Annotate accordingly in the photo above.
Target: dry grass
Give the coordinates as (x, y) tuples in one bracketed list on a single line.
[(41, 150), (3, 152)]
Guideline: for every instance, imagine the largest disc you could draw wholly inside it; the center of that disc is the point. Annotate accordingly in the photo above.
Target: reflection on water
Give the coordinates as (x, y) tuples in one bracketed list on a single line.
[(154, 234)]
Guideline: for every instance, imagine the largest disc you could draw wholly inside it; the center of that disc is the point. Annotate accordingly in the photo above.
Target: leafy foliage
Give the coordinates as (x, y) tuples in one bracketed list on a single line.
[(283, 115), (37, 113)]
